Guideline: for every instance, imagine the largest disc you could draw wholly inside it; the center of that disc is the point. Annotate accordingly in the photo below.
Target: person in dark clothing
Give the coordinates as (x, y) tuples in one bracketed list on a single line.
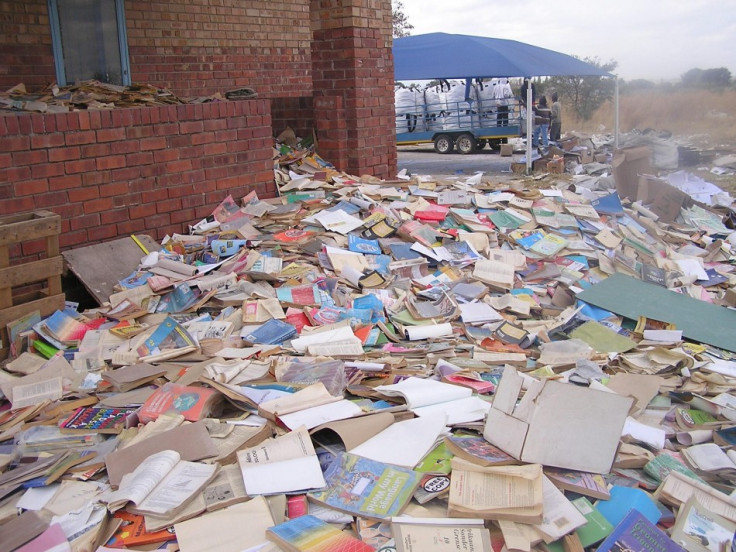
[(555, 125), (524, 87), (541, 123)]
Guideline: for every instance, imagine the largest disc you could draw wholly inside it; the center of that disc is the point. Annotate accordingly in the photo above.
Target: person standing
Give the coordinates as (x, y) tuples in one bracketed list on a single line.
[(501, 94), (524, 87), (555, 125), (541, 123)]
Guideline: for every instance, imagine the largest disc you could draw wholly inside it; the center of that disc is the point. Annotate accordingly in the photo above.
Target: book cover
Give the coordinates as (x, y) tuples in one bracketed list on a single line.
[(98, 419), (635, 532), (362, 245), (194, 403), (272, 332), (597, 527), (310, 534), (479, 451), (132, 532), (440, 535), (168, 340), (584, 483), (367, 488), (699, 530)]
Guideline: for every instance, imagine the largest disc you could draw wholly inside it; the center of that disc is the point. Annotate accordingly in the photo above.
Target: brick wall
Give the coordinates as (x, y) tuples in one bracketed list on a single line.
[(25, 44), (353, 76), (199, 47), (152, 170)]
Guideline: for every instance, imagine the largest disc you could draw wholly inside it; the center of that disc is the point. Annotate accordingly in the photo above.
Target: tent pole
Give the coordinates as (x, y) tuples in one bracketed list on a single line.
[(615, 115), (529, 115)]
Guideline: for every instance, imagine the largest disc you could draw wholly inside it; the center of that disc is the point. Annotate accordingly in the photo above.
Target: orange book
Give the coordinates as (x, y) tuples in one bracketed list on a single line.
[(194, 403), (133, 532)]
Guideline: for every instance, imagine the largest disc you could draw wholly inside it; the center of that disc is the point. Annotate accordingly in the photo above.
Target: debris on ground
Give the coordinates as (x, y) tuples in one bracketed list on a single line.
[(545, 365)]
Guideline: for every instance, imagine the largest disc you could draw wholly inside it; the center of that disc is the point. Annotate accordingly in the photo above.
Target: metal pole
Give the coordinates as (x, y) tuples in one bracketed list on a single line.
[(615, 115), (529, 115)]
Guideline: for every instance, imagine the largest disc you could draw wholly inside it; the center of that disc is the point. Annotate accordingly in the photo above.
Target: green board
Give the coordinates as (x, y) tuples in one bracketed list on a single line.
[(698, 320)]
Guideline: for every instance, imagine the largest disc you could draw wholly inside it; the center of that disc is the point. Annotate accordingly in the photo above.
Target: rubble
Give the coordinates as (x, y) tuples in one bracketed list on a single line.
[(356, 348)]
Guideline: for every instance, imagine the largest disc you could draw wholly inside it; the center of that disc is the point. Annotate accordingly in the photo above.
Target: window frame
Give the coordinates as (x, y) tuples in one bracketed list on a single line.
[(58, 49)]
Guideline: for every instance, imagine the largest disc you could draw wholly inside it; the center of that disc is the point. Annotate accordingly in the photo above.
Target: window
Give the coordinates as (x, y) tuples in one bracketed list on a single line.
[(89, 41)]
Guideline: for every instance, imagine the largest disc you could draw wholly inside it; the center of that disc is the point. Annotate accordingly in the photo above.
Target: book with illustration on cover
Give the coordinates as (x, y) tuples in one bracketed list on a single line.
[(132, 532), (366, 488), (310, 534), (477, 450), (169, 340), (194, 403), (95, 419), (635, 532), (584, 483)]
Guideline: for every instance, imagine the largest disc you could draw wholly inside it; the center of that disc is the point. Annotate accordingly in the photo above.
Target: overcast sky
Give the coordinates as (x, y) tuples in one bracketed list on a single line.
[(650, 39)]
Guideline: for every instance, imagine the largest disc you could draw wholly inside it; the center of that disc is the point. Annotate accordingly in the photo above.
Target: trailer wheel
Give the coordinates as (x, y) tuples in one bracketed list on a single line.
[(443, 144), (480, 144), (465, 143)]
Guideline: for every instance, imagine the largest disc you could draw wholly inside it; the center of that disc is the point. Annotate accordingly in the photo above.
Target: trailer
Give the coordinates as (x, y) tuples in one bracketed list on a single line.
[(464, 127)]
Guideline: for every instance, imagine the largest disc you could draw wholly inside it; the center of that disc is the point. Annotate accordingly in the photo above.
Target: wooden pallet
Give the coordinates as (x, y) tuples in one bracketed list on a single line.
[(35, 285)]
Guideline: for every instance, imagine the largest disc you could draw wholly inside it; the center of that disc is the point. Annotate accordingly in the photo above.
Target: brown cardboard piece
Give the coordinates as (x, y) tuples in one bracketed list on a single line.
[(627, 165), (660, 197), (191, 441), (354, 431), (584, 424)]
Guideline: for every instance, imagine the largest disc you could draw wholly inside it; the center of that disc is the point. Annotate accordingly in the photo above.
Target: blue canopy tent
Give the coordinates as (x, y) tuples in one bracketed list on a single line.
[(451, 56)]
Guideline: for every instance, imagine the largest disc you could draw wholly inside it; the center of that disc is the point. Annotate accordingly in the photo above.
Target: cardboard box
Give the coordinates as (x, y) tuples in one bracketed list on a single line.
[(556, 166), (518, 168), (507, 150), (660, 197), (627, 165), (568, 143), (601, 158)]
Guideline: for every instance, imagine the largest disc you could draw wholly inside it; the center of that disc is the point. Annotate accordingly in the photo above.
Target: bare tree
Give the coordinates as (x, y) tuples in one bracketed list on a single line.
[(401, 24), (585, 94)]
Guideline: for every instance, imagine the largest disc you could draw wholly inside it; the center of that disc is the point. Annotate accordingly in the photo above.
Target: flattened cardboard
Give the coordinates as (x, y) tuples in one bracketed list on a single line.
[(698, 320), (191, 441), (627, 165), (355, 431)]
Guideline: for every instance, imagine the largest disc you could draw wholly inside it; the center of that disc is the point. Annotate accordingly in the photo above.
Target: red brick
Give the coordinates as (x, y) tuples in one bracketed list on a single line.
[(156, 221), (168, 206), (114, 189), (142, 211), (17, 205), (47, 170), (80, 166), (131, 227), (179, 166), (113, 216), (112, 162), (95, 178), (47, 141), (15, 143), (128, 173), (83, 194), (215, 149), (31, 187), (110, 134), (96, 150), (142, 158), (70, 239), (156, 143), (86, 221), (97, 205), (80, 138), (32, 157), (50, 199), (64, 154), (154, 195), (65, 182), (162, 156)]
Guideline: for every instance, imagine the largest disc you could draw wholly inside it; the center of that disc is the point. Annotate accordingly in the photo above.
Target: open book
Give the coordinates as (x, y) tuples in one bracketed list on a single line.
[(428, 397), (281, 465), (161, 485)]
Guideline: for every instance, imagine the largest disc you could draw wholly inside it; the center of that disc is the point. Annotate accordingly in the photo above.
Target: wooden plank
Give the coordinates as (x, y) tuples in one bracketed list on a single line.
[(35, 271), (38, 224), (99, 267), (6, 294)]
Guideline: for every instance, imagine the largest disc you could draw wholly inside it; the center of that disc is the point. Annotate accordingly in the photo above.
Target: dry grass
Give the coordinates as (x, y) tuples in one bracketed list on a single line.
[(707, 117)]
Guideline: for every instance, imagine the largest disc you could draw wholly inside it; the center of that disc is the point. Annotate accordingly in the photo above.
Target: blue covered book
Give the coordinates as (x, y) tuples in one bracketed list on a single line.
[(635, 532), (272, 332)]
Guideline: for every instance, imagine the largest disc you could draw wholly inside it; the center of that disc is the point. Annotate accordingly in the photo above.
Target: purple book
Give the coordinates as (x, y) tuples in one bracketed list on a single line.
[(636, 533)]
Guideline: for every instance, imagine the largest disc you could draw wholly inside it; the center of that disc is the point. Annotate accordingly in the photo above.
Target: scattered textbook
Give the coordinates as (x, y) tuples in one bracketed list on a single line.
[(366, 488), (635, 532), (697, 529), (512, 493), (281, 465), (477, 450), (413, 534), (194, 403), (161, 485), (310, 534), (169, 340)]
